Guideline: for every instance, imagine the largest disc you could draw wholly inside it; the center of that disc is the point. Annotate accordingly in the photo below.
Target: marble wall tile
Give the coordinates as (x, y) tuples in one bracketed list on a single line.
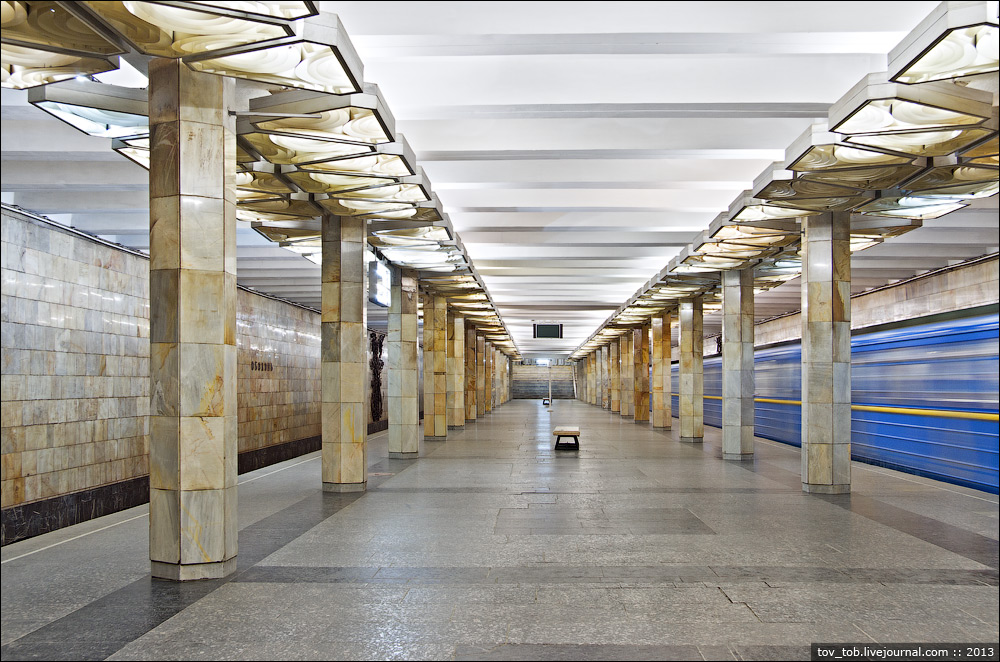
[(691, 352), (627, 375), (86, 382), (480, 376), (616, 377), (471, 373), (456, 371), (402, 364), (737, 365), (344, 420)]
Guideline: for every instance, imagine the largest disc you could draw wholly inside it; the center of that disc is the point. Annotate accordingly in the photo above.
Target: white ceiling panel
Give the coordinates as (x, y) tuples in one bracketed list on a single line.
[(576, 147)]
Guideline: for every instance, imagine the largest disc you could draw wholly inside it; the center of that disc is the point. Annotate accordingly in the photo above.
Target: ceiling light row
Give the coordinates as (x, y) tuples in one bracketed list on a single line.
[(903, 146)]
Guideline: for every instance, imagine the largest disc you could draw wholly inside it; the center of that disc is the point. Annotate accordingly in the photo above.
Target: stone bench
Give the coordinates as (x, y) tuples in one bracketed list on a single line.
[(567, 431)]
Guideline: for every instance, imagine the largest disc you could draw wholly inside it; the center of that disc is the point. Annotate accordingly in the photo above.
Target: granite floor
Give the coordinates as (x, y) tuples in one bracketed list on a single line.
[(493, 546)]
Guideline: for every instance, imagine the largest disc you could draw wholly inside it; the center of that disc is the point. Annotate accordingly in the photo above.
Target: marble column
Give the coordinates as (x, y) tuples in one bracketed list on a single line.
[(344, 355), (660, 358), (606, 368), (192, 247), (737, 364), (404, 414), (616, 377), (692, 386), (498, 366), (601, 380), (488, 357), (456, 371), (826, 353), (435, 367), (470, 372), (508, 376), (480, 375), (591, 379), (625, 346), (641, 380)]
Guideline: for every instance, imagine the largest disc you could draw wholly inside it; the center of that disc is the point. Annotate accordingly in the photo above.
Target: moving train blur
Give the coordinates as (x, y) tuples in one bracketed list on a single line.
[(924, 398)]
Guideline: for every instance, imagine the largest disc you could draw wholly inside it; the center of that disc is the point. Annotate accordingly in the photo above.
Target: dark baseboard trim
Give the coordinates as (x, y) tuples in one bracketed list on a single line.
[(262, 457), (378, 426), (32, 519), (38, 517)]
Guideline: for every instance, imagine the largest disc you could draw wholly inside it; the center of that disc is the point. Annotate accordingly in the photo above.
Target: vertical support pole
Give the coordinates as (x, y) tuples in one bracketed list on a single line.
[(826, 354), (641, 379), (470, 372), (192, 235), (587, 372), (488, 357), (435, 367), (628, 374), (498, 377), (344, 355), (668, 401), (404, 415), (480, 375), (660, 359), (616, 377), (602, 390), (456, 371), (737, 365), (607, 375), (692, 383)]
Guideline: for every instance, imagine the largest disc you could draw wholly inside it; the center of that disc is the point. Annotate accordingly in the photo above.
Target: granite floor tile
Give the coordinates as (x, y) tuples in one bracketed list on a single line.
[(491, 546)]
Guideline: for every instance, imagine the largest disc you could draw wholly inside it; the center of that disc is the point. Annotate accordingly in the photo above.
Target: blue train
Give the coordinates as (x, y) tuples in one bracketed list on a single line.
[(924, 397)]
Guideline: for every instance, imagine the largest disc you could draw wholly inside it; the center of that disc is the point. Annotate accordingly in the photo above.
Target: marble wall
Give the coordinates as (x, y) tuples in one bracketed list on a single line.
[(277, 372), (75, 328), (75, 387), (944, 291)]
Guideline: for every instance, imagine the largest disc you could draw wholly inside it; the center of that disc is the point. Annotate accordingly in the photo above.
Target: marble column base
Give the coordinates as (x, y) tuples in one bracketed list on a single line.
[(627, 416), (692, 440), (403, 456), (342, 488), (456, 427), (434, 438), (192, 571), (470, 420), (739, 457), (826, 489)]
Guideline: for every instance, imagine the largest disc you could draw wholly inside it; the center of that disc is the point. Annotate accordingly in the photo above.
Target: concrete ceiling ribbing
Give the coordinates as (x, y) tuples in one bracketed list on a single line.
[(576, 152)]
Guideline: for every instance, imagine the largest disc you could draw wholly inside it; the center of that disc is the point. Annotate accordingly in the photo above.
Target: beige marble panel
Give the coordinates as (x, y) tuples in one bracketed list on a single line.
[(625, 347), (402, 354), (691, 382), (660, 359), (480, 375), (471, 373), (456, 371), (616, 377), (164, 526), (344, 420), (737, 365), (826, 315), (640, 382), (193, 309)]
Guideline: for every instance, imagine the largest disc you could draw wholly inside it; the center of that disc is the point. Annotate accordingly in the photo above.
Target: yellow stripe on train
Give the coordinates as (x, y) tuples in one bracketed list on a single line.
[(941, 413)]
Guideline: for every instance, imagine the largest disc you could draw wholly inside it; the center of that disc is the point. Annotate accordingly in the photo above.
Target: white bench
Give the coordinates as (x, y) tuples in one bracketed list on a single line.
[(567, 431)]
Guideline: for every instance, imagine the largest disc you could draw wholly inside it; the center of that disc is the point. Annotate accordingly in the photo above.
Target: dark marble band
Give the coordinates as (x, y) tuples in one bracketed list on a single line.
[(38, 517), (32, 519)]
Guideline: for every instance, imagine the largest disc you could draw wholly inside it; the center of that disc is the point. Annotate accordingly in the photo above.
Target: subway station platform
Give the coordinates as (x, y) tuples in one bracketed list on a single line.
[(491, 545)]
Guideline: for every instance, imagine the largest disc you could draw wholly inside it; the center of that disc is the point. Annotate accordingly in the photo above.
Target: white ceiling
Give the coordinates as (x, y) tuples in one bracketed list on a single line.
[(576, 146)]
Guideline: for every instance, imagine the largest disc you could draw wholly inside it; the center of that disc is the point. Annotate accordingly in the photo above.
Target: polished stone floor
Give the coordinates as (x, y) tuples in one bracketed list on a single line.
[(493, 546)]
